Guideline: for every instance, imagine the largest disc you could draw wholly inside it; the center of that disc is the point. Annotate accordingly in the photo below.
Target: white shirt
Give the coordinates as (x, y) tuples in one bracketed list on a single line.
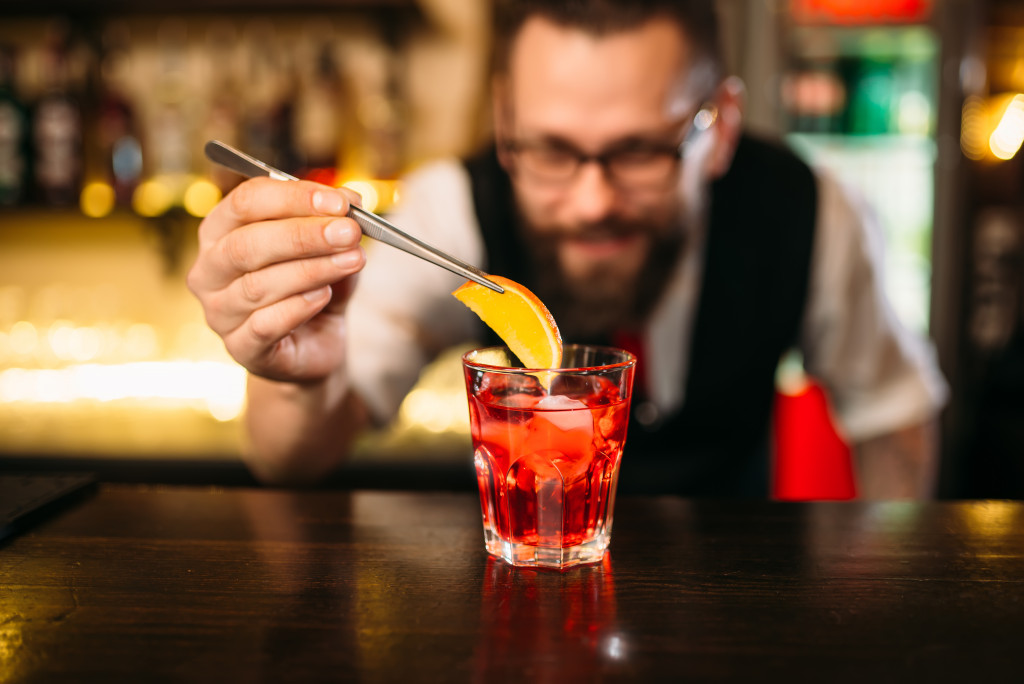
[(880, 377)]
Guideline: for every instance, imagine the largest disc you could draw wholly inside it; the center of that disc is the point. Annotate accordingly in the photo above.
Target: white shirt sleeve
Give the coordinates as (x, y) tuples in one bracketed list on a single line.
[(402, 313), (879, 375)]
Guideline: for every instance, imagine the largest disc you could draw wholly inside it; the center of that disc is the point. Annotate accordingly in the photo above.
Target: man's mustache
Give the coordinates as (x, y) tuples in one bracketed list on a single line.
[(597, 231)]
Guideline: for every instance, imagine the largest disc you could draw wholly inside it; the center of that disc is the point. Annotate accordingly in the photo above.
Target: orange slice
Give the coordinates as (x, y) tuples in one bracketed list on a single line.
[(520, 319)]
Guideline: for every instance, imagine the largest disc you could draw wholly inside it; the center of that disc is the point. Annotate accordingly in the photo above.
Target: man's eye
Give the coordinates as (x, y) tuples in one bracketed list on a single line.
[(552, 156), (637, 157)]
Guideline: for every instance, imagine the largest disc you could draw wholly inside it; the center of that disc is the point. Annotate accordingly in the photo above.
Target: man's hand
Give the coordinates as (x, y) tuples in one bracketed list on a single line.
[(276, 265), (275, 268)]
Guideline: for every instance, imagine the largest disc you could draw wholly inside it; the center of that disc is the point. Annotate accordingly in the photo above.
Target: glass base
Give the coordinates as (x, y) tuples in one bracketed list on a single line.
[(524, 555)]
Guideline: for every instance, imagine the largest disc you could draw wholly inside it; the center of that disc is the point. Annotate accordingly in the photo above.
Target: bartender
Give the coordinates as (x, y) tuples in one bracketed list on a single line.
[(621, 189)]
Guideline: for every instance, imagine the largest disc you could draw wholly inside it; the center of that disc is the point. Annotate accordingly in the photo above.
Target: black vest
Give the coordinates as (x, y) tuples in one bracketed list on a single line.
[(753, 292)]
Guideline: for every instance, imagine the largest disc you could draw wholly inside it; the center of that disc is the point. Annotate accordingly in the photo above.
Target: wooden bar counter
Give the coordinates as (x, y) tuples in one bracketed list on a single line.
[(195, 584)]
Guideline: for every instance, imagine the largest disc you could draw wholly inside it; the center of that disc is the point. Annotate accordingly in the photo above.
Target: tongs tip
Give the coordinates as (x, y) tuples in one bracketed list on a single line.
[(487, 282)]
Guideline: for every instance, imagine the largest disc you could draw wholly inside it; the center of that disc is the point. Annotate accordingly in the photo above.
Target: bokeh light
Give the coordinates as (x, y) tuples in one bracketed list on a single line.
[(152, 198), (201, 197), (23, 338), (973, 128), (371, 199), (1008, 135), (97, 199), (216, 388)]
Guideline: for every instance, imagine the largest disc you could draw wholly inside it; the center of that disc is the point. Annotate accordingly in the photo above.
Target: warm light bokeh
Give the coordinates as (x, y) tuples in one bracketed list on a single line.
[(992, 128)]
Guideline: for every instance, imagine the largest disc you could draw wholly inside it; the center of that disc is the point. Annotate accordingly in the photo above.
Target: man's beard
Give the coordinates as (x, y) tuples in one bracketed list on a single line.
[(596, 305)]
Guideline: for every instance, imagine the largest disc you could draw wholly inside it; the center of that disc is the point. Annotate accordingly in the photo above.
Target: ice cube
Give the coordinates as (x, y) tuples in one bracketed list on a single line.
[(565, 413), (516, 391), (594, 388), (561, 432)]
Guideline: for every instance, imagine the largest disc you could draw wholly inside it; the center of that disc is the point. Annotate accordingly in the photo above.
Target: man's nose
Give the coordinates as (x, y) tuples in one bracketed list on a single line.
[(592, 196)]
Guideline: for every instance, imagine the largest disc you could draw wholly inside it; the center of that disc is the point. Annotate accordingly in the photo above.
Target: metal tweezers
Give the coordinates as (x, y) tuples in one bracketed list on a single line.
[(372, 225)]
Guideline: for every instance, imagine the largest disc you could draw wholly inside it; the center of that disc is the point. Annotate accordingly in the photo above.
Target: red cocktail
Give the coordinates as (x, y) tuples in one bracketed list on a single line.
[(547, 448)]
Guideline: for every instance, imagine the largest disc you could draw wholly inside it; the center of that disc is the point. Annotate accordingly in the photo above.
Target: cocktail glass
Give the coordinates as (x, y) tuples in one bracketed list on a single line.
[(547, 448)]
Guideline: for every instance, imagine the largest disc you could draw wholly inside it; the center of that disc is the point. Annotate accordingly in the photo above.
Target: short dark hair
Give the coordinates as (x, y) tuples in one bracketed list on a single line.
[(696, 18)]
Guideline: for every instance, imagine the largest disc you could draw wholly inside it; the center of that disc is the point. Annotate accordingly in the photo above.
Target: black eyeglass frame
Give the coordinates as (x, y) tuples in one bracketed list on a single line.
[(705, 117)]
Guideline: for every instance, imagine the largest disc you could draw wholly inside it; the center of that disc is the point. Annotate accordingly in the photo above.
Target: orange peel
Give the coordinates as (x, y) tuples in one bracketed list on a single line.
[(519, 318)]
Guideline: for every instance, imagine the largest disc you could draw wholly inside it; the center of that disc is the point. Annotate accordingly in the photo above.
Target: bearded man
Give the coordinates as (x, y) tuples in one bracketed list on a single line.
[(623, 191)]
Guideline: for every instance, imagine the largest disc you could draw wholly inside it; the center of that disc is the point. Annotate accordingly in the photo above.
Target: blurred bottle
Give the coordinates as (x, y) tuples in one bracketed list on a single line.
[(320, 118), (380, 117), (57, 127), (281, 124), (269, 120), (916, 82), (222, 121), (873, 94), (14, 138), (814, 97), (169, 141), (114, 135)]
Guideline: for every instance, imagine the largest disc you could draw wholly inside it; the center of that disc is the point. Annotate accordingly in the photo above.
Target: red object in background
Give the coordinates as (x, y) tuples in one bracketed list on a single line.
[(859, 11), (324, 176), (811, 460)]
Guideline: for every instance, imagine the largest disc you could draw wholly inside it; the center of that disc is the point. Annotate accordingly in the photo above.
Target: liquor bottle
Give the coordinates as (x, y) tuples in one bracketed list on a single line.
[(222, 118), (378, 150), (57, 129), (115, 132), (267, 126), (14, 153), (283, 116), (282, 131), (170, 132), (319, 118)]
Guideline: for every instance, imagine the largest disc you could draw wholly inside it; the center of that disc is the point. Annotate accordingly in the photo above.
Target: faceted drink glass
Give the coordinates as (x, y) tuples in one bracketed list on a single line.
[(547, 445)]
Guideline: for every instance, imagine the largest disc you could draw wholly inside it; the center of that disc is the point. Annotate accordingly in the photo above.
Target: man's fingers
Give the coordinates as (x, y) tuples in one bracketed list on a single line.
[(259, 245), (265, 199), (230, 307), (256, 342)]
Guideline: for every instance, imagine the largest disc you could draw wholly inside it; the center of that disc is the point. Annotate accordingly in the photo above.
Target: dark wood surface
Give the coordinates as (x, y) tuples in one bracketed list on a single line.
[(169, 583)]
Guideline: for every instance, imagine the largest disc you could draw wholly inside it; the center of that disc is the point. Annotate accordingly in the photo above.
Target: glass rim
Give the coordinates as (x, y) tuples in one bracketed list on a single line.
[(629, 359)]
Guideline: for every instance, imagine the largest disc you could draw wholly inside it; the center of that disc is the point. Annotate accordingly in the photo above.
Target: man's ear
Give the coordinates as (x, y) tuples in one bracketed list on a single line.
[(730, 98)]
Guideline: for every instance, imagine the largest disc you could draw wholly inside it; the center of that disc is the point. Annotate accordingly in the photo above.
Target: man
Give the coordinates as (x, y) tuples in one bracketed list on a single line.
[(623, 192)]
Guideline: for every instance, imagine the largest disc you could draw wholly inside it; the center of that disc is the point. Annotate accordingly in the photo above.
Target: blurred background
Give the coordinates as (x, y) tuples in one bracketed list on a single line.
[(105, 361)]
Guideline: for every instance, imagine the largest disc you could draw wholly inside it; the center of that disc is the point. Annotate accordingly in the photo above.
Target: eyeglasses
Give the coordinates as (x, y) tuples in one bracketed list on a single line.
[(632, 166)]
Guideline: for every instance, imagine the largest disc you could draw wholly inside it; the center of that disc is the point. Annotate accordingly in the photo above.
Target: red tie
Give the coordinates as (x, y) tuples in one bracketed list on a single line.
[(632, 342)]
